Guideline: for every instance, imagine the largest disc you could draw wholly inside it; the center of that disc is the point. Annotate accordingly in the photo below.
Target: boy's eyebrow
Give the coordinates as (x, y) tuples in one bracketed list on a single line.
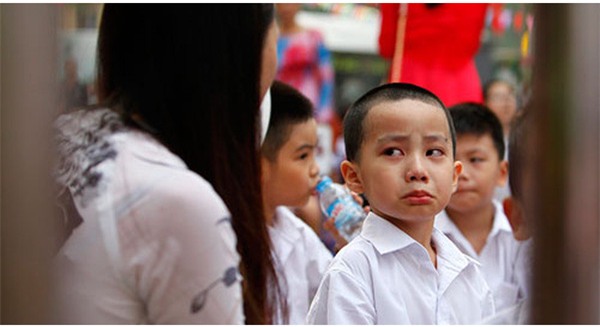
[(436, 138), (306, 146), (477, 149), (392, 138), (404, 137)]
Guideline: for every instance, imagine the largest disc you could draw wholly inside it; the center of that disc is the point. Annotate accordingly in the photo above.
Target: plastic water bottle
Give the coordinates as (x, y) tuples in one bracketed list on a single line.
[(337, 202)]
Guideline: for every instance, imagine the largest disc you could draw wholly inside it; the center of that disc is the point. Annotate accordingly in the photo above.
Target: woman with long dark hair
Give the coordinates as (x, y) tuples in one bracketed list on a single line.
[(164, 175)]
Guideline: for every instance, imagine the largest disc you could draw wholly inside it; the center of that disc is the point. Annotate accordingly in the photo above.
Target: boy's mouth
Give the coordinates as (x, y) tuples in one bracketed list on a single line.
[(418, 197)]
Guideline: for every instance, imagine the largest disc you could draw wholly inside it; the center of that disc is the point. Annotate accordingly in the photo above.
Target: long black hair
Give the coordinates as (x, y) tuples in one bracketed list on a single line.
[(189, 74)]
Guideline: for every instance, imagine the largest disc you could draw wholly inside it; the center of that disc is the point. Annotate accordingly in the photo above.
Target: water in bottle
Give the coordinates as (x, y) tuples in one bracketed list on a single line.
[(337, 202)]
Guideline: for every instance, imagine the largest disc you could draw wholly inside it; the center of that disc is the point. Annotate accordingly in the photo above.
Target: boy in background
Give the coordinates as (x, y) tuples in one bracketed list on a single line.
[(516, 208), (473, 220), (289, 177), (400, 270)]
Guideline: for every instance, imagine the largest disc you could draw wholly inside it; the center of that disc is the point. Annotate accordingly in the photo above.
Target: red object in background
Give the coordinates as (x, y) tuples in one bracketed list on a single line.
[(497, 26), (518, 21), (440, 44)]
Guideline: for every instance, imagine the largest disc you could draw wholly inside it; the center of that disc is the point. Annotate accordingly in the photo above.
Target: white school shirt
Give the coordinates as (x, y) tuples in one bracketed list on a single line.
[(518, 314), (498, 257), (301, 257), (524, 268), (156, 244), (384, 276)]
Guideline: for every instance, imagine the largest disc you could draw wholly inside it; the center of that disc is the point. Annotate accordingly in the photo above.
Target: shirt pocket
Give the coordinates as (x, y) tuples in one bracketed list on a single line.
[(505, 295)]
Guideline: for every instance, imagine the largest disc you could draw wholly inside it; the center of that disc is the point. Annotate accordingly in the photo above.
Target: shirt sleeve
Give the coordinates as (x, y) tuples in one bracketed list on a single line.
[(341, 299), (179, 251)]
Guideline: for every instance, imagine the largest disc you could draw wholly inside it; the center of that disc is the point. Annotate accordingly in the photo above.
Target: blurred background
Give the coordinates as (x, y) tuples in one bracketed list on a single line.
[(350, 33), (549, 52)]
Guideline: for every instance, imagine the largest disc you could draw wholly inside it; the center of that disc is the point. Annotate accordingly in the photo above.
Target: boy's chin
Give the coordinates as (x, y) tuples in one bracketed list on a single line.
[(463, 203), (411, 216), (301, 203)]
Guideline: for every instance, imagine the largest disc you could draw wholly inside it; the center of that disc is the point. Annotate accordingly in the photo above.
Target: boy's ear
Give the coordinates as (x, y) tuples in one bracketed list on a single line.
[(351, 176), (503, 177), (458, 167)]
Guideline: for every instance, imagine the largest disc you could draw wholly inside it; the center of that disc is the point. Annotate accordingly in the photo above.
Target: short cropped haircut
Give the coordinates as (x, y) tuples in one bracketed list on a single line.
[(355, 117), (488, 85), (288, 107), (517, 142), (477, 119)]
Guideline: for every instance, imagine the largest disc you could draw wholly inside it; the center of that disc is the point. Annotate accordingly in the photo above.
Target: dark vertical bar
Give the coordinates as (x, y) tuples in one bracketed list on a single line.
[(566, 156), (550, 143), (28, 100), (583, 244)]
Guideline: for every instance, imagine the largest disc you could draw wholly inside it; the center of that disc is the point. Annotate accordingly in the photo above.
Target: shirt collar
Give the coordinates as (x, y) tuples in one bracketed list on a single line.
[(500, 224), (387, 238), (449, 252), (384, 236), (450, 260)]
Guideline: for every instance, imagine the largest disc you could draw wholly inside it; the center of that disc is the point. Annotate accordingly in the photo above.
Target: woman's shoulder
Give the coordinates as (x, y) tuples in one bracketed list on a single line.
[(149, 168), (186, 189)]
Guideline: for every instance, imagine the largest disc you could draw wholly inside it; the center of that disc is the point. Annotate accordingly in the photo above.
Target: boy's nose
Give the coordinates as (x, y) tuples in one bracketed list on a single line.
[(464, 174), (314, 170), (416, 171), (418, 176)]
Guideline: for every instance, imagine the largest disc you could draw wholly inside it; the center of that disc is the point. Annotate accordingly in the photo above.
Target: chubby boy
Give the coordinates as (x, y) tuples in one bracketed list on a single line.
[(289, 177), (473, 220), (400, 146)]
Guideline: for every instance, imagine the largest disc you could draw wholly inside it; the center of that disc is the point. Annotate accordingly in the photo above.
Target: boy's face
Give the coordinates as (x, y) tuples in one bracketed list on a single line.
[(482, 173), (292, 178), (405, 166)]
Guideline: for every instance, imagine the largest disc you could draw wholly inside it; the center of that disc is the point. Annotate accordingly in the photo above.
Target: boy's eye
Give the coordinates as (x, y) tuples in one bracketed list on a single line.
[(476, 160), (434, 153), (307, 154), (393, 152)]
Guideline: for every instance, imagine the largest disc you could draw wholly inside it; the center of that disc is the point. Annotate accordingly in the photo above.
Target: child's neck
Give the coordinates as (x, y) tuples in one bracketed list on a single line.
[(269, 213), (419, 231), (474, 225)]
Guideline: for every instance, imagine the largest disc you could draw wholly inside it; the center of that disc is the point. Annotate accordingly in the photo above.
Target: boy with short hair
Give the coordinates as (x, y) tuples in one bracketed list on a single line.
[(400, 270), (289, 177), (473, 220)]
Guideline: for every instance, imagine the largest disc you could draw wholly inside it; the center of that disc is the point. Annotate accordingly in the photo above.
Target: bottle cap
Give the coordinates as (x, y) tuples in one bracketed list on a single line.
[(323, 183)]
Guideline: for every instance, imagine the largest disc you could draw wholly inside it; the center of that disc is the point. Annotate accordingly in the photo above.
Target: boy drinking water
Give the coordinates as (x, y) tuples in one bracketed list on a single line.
[(400, 270), (473, 220), (289, 177)]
